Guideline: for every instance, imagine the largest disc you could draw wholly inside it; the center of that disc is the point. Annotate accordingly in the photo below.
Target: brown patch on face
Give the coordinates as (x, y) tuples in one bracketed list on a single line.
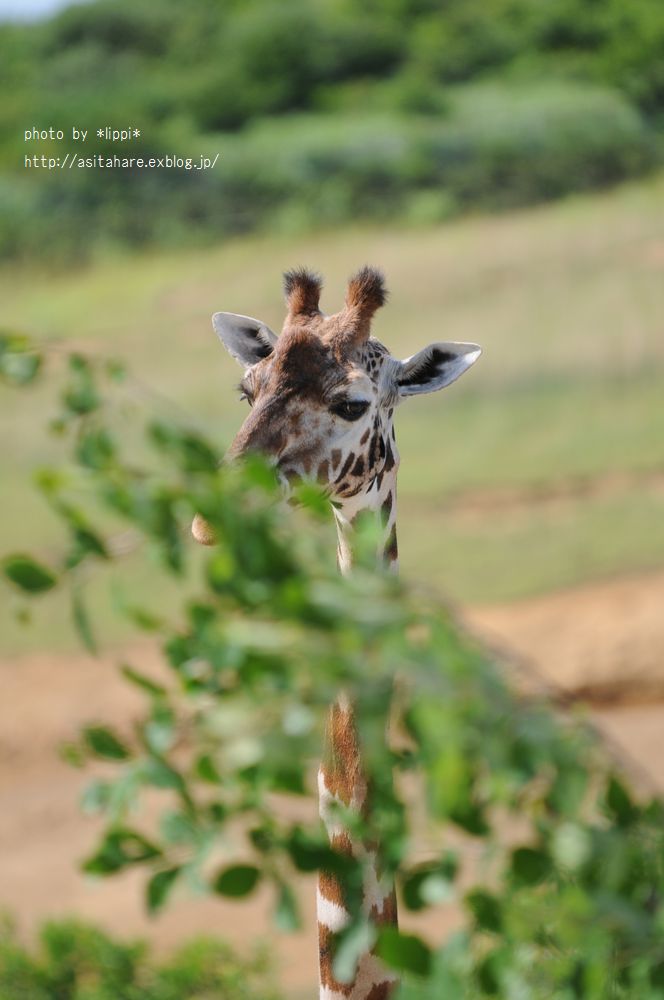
[(303, 366), (295, 380), (373, 450), (358, 468), (322, 472), (365, 436), (389, 457), (335, 457), (294, 422), (346, 466)]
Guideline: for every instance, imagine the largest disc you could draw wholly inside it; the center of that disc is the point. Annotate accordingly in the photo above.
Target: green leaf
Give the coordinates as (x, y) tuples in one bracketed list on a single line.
[(159, 888), (529, 866), (80, 396), (352, 943), (404, 952), (20, 363), (159, 729), (429, 883), (20, 369), (119, 849), (27, 574), (95, 449), (96, 797), (218, 812), (470, 817), (177, 828), (263, 838), (490, 970), (289, 779), (237, 880), (102, 742), (618, 803), (72, 754), (568, 789), (486, 910), (206, 769), (310, 854), (81, 621), (286, 912), (145, 618), (159, 774), (142, 681)]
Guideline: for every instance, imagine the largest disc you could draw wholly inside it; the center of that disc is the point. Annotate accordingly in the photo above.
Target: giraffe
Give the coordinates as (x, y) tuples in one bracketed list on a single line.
[(322, 398)]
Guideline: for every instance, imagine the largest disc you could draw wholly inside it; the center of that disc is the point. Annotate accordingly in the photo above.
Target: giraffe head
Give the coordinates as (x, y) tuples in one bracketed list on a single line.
[(322, 393)]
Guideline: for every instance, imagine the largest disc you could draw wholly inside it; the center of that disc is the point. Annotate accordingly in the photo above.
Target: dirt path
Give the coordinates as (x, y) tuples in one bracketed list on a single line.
[(605, 641)]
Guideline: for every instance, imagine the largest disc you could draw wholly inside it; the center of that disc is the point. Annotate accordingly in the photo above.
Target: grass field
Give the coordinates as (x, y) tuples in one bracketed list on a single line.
[(544, 467)]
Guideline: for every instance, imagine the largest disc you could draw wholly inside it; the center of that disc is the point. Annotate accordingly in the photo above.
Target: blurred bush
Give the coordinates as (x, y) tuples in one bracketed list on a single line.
[(76, 961), (402, 109)]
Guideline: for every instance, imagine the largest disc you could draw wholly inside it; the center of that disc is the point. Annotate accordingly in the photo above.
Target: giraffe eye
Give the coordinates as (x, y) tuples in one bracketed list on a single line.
[(350, 409)]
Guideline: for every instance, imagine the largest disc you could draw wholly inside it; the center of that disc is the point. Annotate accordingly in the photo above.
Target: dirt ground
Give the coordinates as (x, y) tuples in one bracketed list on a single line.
[(603, 643)]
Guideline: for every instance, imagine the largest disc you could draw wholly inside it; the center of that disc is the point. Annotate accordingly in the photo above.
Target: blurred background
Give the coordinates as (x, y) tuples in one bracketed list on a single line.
[(503, 162)]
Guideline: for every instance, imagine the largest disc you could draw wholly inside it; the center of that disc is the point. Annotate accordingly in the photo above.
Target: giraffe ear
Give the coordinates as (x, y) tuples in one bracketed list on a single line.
[(246, 339), (435, 366)]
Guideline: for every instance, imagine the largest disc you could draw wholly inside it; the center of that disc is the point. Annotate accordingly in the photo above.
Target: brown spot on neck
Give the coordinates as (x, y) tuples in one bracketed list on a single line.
[(358, 468), (391, 549), (386, 508)]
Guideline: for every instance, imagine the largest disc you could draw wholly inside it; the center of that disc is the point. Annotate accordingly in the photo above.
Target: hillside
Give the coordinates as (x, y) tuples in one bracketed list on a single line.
[(541, 470)]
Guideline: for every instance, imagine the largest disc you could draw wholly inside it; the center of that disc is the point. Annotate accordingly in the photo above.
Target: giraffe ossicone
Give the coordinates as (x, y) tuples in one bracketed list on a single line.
[(322, 396)]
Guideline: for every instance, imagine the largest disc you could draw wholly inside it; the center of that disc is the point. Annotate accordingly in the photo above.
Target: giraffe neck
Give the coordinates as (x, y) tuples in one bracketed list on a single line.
[(382, 504), (341, 779)]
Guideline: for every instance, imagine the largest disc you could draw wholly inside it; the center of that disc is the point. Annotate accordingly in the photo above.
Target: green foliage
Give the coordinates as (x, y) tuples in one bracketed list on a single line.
[(237, 880), (266, 634), (75, 961), (27, 574), (19, 363), (209, 78)]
